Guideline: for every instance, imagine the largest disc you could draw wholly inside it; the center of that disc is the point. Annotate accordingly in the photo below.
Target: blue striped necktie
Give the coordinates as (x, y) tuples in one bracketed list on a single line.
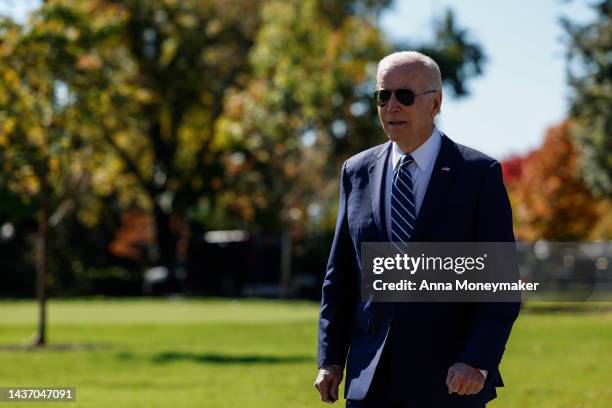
[(403, 210)]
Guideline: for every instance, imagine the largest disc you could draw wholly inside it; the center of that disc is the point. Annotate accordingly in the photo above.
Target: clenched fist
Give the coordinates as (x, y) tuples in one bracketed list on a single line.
[(328, 381), (464, 379)]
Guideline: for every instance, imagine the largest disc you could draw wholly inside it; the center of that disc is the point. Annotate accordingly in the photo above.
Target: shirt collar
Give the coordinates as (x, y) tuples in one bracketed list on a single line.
[(422, 155)]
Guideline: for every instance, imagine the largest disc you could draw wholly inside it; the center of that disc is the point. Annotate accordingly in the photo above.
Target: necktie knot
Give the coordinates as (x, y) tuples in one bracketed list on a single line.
[(405, 160)]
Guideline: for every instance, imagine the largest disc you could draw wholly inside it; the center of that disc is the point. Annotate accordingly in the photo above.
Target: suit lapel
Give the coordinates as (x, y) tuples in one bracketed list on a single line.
[(376, 172), (442, 176)]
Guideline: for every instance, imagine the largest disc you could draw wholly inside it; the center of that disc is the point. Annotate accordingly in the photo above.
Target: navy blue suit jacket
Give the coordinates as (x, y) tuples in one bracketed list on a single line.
[(468, 203)]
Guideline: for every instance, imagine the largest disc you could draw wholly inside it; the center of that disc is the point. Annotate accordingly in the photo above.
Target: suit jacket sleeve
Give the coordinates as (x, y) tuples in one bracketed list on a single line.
[(340, 289), (492, 321)]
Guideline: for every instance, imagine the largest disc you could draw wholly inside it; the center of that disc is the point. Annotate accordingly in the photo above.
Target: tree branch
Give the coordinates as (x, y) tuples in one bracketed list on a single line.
[(129, 163)]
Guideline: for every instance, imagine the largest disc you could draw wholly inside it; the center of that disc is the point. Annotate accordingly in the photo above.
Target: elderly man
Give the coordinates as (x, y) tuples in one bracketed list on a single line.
[(419, 186)]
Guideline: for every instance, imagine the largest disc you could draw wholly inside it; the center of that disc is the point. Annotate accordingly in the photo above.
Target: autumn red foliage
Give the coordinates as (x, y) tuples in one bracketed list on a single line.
[(549, 199)]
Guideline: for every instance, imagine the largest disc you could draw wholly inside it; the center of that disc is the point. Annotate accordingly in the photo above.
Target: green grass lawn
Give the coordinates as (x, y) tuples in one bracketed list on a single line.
[(249, 353)]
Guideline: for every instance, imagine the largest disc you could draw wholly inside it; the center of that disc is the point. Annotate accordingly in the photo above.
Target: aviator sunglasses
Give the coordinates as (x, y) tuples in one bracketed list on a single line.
[(404, 96)]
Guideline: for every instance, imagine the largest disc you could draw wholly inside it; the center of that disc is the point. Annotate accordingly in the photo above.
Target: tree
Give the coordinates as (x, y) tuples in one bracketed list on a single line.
[(590, 76), (38, 151), (549, 199), (148, 80)]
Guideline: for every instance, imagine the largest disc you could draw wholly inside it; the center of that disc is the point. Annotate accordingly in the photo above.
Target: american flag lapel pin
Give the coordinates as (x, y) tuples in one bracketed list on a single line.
[(445, 168)]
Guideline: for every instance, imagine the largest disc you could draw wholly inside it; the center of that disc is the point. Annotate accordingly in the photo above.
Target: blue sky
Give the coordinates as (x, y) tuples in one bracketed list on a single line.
[(523, 90)]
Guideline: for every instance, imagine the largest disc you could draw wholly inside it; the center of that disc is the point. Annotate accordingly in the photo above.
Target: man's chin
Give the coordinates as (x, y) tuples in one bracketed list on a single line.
[(395, 136)]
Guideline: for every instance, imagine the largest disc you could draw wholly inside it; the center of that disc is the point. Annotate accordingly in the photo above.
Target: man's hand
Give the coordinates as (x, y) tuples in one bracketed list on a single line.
[(328, 381), (464, 379)]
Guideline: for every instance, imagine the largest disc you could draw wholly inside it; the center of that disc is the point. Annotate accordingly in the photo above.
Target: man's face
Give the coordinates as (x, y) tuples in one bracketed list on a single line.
[(407, 124)]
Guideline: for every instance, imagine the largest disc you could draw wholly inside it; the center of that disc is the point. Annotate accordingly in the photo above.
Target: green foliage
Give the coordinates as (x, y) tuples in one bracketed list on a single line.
[(27, 112), (590, 75), (152, 70), (42, 151), (144, 82), (284, 126), (227, 113)]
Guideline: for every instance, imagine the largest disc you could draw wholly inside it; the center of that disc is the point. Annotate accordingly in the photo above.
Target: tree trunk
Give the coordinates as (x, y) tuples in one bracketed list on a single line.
[(166, 241), (41, 261), (285, 265)]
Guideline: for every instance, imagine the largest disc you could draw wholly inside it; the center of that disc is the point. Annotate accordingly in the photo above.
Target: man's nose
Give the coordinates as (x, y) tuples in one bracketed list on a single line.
[(393, 104)]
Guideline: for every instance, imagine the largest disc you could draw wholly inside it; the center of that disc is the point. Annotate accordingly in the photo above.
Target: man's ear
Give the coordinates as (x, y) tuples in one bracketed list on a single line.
[(437, 105)]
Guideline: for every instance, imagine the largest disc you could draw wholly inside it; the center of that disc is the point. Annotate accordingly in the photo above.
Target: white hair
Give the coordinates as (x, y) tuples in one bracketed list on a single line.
[(432, 70)]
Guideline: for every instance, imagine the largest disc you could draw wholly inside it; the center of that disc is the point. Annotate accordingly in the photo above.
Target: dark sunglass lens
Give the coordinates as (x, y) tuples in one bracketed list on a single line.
[(405, 96), (382, 96)]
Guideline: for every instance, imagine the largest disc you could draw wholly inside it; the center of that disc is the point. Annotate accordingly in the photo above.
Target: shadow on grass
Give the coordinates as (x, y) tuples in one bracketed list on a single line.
[(53, 347), (216, 358)]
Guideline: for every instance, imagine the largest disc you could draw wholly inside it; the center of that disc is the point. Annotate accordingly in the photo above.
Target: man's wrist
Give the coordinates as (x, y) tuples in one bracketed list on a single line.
[(332, 367), (483, 371)]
